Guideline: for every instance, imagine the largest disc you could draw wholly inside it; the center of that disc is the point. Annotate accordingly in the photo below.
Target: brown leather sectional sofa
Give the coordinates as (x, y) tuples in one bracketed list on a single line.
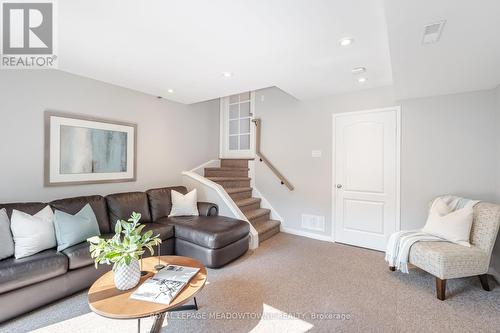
[(31, 282)]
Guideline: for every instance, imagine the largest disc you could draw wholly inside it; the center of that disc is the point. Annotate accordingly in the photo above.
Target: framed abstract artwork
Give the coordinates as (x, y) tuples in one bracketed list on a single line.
[(87, 150)]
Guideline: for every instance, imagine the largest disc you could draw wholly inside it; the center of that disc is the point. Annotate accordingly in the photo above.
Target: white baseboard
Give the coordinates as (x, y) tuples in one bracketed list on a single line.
[(307, 234)]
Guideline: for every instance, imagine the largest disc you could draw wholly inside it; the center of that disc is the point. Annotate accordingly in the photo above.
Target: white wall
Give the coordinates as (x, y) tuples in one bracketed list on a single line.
[(172, 137), (290, 130), (449, 145)]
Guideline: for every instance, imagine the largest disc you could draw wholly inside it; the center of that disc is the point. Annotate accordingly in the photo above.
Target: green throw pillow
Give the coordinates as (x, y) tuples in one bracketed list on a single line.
[(74, 229)]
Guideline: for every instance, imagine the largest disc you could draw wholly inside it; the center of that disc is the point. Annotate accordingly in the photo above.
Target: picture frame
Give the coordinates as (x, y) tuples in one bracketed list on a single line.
[(81, 149)]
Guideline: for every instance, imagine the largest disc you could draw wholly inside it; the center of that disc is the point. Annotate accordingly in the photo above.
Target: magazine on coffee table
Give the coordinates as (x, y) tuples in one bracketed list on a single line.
[(165, 285)]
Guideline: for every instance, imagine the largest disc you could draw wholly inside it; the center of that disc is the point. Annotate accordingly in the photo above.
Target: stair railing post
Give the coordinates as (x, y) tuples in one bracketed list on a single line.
[(262, 158)]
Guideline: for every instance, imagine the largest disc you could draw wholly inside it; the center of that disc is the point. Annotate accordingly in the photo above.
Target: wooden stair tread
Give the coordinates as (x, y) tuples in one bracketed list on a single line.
[(246, 202), (265, 226), (227, 169), (238, 159), (233, 190), (220, 179), (256, 213), (232, 174)]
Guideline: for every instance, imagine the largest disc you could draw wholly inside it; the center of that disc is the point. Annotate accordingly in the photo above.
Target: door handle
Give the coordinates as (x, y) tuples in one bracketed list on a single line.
[(339, 186)]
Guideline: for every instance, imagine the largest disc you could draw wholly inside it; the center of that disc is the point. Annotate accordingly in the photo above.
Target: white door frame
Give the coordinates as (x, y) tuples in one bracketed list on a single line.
[(396, 108), (224, 129)]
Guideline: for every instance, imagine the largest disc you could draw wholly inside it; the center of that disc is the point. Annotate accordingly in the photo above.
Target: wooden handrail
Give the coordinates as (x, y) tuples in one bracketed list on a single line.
[(282, 178)]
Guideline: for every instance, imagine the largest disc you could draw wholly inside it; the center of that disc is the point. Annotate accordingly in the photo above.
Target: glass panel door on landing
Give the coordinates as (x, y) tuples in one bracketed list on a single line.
[(237, 130)]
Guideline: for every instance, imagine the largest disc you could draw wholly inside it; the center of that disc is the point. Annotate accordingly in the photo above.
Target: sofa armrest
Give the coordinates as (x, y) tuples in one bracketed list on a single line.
[(208, 209)]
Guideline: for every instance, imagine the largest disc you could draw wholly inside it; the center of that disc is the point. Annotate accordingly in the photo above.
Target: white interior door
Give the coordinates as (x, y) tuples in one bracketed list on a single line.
[(366, 177), (237, 130)]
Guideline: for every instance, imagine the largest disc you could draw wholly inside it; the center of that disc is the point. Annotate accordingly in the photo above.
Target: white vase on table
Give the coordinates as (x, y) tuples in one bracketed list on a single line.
[(127, 277)]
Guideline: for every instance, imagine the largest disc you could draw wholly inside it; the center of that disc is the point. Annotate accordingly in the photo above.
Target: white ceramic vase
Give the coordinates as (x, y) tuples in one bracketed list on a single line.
[(127, 277)]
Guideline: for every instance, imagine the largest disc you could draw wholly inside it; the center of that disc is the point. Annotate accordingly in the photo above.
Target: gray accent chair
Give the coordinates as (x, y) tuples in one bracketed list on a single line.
[(447, 260)]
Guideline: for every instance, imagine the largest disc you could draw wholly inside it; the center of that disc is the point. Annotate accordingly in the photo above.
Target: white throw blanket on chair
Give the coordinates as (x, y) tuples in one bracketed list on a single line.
[(399, 244)]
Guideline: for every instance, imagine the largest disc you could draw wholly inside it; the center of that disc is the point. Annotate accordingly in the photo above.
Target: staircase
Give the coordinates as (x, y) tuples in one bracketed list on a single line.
[(232, 175)]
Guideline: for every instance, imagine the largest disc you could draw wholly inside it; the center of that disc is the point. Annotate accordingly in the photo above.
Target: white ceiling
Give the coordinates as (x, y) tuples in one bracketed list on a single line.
[(186, 45), (156, 45), (466, 58)]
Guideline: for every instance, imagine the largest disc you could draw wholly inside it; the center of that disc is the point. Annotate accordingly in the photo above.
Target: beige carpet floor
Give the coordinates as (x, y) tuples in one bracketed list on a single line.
[(295, 284)]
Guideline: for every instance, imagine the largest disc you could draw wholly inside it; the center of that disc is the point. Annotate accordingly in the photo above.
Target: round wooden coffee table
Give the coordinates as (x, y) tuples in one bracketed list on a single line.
[(107, 301)]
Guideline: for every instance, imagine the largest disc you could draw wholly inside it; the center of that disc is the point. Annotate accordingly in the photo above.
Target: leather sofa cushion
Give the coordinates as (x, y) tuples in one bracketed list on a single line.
[(165, 231), (17, 273), (121, 206), (29, 207), (74, 205), (212, 232), (160, 200), (78, 255)]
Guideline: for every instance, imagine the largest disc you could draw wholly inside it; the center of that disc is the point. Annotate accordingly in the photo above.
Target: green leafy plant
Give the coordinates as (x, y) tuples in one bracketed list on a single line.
[(126, 245)]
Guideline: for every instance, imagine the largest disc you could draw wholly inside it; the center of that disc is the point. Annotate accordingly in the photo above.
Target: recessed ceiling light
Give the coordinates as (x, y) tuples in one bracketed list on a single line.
[(362, 79), (346, 41), (227, 74), (170, 91), (358, 70)]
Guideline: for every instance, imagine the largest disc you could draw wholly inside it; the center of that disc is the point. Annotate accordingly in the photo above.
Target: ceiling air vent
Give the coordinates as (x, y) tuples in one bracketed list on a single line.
[(432, 32)]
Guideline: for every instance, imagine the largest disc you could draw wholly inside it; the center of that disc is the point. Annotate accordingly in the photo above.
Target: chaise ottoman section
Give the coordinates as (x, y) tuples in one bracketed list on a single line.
[(214, 240), (212, 258)]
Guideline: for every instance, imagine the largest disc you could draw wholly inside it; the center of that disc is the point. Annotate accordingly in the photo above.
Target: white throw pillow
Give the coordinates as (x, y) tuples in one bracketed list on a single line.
[(184, 205), (32, 234), (440, 207), (454, 226)]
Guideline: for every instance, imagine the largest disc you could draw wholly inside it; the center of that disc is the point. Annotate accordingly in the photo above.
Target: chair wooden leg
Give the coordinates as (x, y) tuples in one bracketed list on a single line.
[(392, 268), (441, 289), (484, 282)]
